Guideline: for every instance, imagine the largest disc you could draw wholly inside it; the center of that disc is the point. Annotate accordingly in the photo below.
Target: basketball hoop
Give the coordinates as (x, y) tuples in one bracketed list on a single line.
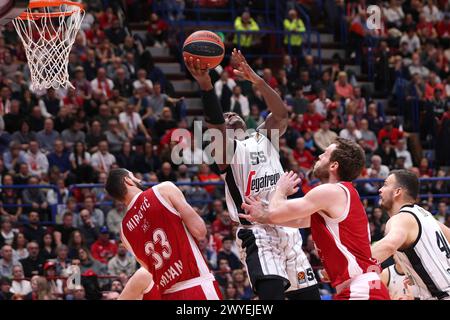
[(48, 29)]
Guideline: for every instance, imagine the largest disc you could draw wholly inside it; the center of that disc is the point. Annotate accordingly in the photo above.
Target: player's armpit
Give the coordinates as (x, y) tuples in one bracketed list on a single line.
[(176, 199), (396, 236)]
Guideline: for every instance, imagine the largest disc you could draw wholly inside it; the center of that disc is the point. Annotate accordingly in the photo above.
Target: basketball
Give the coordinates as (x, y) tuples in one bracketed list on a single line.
[(206, 46)]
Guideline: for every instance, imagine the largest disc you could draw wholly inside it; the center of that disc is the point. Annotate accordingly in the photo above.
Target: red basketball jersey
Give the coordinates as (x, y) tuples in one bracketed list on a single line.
[(152, 293), (157, 236), (344, 243)]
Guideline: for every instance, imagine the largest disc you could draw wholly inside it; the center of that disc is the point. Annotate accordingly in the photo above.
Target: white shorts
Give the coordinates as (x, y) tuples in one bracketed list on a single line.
[(275, 252)]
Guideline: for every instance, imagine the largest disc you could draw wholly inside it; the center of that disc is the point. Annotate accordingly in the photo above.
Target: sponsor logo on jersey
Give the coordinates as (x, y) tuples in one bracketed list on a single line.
[(301, 276), (257, 184)]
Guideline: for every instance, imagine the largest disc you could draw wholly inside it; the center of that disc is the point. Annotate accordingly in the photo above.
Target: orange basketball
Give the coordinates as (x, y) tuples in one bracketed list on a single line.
[(206, 46)]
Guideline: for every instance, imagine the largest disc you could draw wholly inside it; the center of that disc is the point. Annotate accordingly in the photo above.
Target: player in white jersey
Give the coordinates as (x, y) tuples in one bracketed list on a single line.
[(397, 282), (272, 254), (419, 241)]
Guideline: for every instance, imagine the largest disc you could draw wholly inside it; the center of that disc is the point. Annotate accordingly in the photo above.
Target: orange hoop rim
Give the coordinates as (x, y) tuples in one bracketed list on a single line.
[(53, 3)]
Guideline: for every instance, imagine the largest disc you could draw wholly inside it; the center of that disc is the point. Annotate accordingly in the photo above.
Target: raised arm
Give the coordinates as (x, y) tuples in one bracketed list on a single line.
[(176, 199), (211, 106), (396, 235), (278, 118)]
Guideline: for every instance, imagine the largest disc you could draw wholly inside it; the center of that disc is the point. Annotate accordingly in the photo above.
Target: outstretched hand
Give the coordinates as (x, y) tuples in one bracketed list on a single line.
[(255, 211), (199, 74), (288, 183), (243, 68)]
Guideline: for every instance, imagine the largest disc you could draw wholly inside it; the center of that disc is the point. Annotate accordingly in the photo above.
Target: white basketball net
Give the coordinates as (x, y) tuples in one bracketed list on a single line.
[(48, 41)]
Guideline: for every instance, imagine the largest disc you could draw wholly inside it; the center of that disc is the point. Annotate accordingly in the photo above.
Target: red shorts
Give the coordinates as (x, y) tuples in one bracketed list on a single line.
[(208, 290), (364, 287)]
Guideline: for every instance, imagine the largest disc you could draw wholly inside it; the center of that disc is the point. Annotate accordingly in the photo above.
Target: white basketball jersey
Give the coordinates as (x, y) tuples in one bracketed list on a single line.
[(396, 284), (427, 261), (254, 170)]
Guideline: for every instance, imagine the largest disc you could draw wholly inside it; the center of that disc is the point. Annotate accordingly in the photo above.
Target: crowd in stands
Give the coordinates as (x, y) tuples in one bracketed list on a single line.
[(123, 111)]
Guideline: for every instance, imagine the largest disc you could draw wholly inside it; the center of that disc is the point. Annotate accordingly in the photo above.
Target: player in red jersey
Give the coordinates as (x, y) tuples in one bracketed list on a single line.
[(338, 221), (159, 229), (140, 287)]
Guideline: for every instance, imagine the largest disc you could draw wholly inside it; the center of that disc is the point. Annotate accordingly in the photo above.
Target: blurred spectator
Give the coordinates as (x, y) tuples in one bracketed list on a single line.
[(87, 227), (62, 261), (242, 24), (104, 248), (156, 31), (166, 173), (411, 38), (224, 90), (431, 12), (102, 160), (114, 218), (381, 169), (48, 247), (40, 289), (131, 121), (351, 132), (387, 153), (7, 234), (115, 136), (63, 231), (5, 287), (402, 151), (36, 198), (389, 131), (76, 241), (47, 136), (10, 197), (312, 118), (303, 157), (102, 84), (294, 24), (32, 265), (370, 142), (208, 253), (324, 136), (87, 262), (321, 103), (24, 135), (242, 285), (56, 285), (165, 122), (14, 156), (13, 118), (37, 161), (226, 253), (342, 87), (7, 261), (33, 230), (299, 103), (269, 78), (122, 262), (239, 103), (19, 285), (80, 161), (19, 245), (223, 273), (73, 134), (142, 81), (442, 212)]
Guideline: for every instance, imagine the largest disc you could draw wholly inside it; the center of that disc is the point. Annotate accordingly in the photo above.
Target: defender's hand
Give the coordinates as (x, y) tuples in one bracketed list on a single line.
[(288, 183), (255, 211), (244, 70)]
